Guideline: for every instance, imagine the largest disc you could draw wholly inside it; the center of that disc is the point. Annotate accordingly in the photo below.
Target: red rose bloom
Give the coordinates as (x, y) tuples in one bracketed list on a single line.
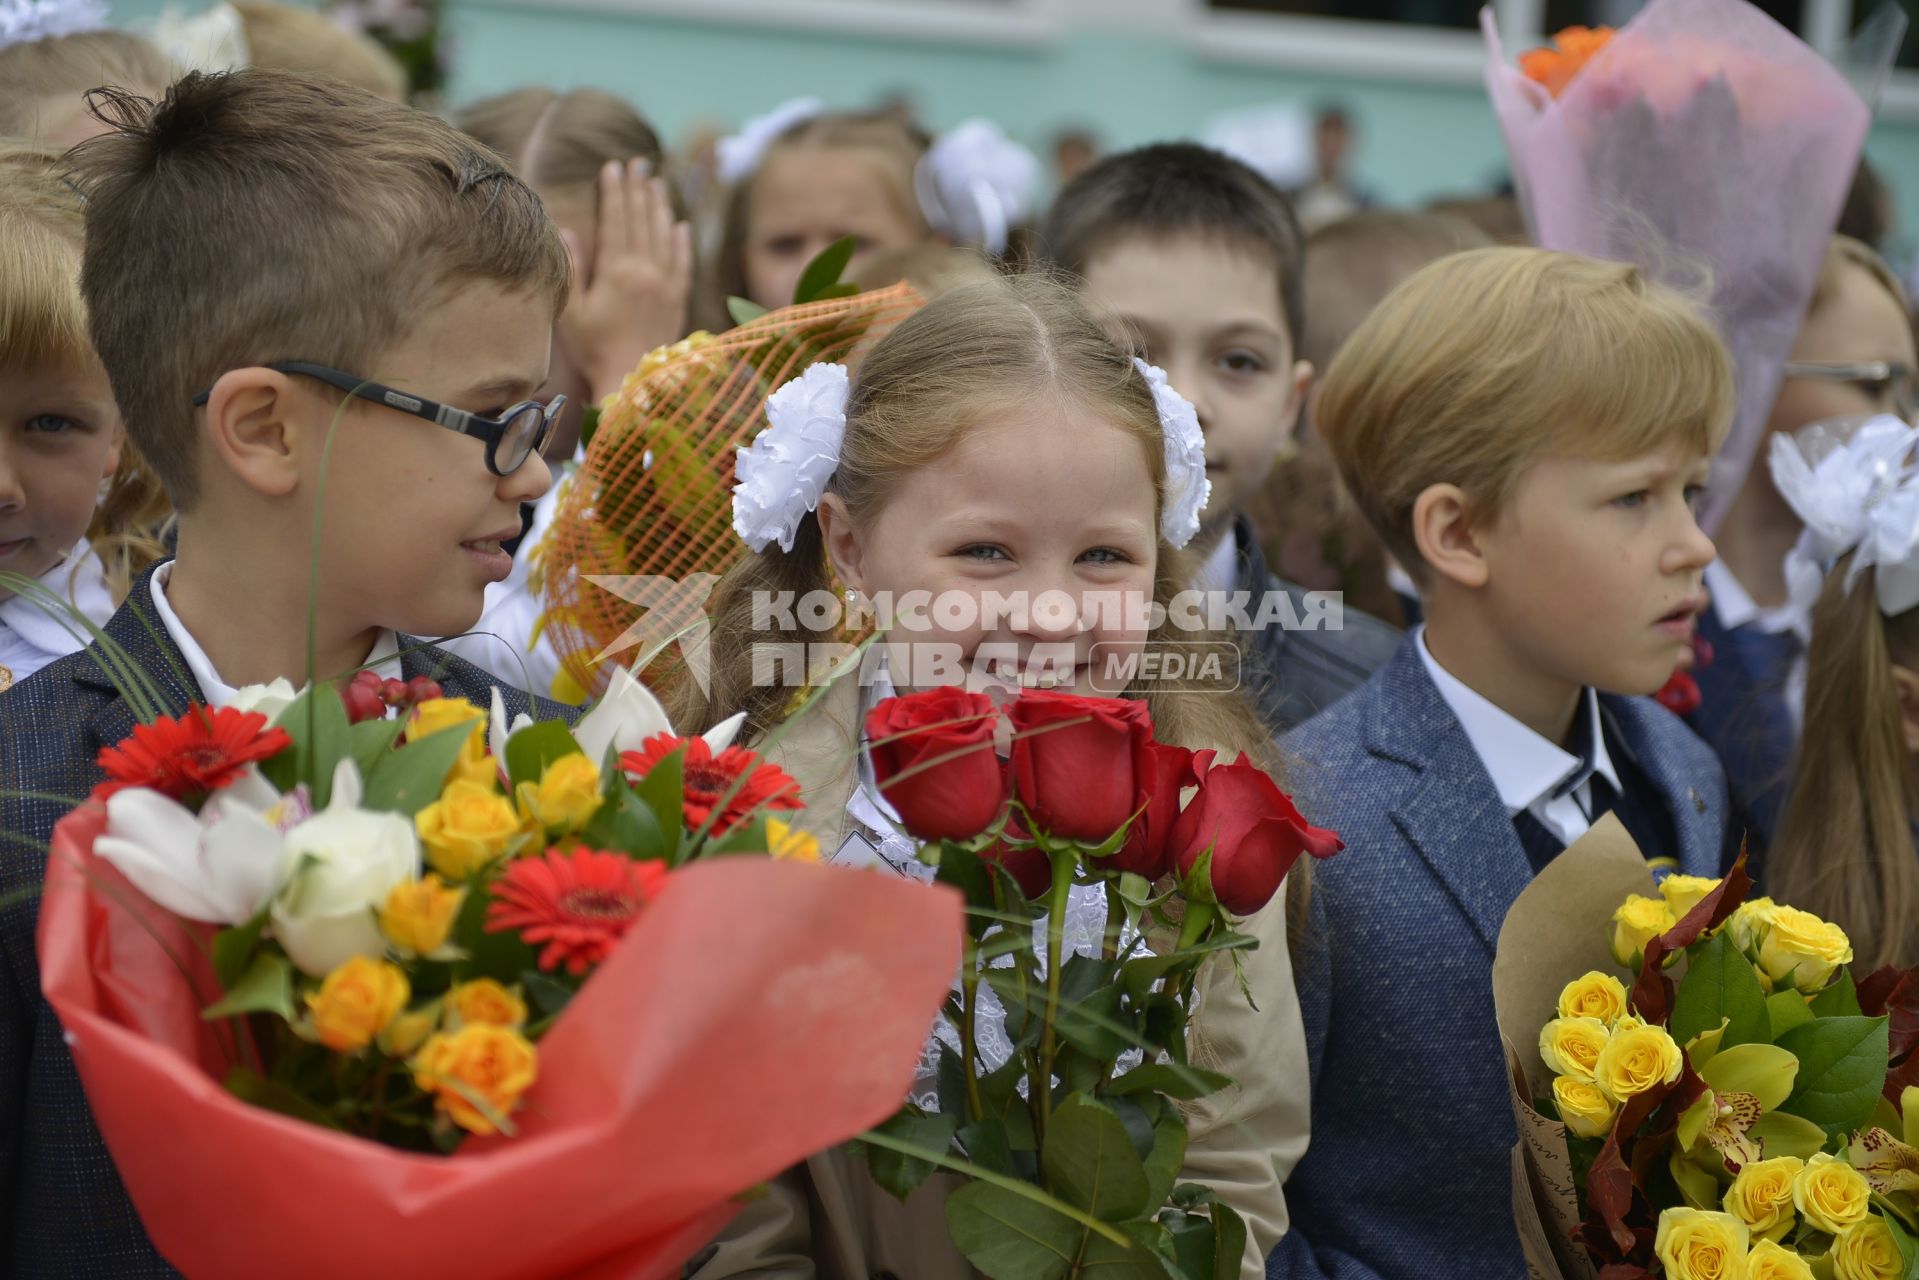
[(1077, 780), (1031, 869), (578, 905), (944, 736), (1161, 772), (188, 758), (706, 780), (1252, 828)]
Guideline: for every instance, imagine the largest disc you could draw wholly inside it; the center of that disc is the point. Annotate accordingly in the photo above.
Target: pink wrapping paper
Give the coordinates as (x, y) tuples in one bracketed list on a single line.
[(1714, 149), (758, 1012)]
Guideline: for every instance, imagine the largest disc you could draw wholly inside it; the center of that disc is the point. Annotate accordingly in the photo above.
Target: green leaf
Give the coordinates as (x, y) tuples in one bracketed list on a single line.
[(266, 987), (1184, 1083), (1092, 1024), (1842, 1068), (549, 995), (1840, 999), (1908, 1247), (1090, 1162), (317, 723), (1230, 1229), (1193, 1241), (743, 310), (232, 948), (1786, 1010), (258, 1091), (1141, 973), (502, 956), (1009, 1237), (370, 741), (1168, 1155), (901, 1174), (987, 1145), (660, 790), (1720, 983), (1786, 1135), (824, 272), (1104, 1260), (1700, 1188), (412, 778), (625, 823), (532, 749), (1764, 1070)]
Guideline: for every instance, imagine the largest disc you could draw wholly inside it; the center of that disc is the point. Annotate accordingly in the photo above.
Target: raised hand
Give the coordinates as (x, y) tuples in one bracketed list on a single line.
[(632, 296)]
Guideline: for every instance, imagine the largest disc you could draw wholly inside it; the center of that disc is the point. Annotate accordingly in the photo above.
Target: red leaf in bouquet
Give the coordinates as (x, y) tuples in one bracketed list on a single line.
[(1652, 994), (1161, 773), (1253, 829), (941, 739), (708, 778), (200, 752), (1894, 993), (577, 905), (1073, 762), (1901, 1078)]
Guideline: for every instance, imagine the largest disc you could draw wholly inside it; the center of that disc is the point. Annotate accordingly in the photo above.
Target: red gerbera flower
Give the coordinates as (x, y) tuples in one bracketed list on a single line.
[(708, 779), (188, 758), (578, 904)]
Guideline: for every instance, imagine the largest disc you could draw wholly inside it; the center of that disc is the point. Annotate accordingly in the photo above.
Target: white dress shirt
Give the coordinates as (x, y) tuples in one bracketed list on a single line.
[(31, 637), (1529, 771)]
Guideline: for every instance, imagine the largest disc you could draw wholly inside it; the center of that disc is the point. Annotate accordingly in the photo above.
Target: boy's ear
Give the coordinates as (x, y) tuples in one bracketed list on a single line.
[(842, 543), (1907, 682), (1296, 401), (253, 426), (1443, 530)]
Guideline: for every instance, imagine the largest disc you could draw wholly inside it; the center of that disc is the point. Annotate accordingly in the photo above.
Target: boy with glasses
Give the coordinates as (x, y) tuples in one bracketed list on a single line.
[(323, 315)]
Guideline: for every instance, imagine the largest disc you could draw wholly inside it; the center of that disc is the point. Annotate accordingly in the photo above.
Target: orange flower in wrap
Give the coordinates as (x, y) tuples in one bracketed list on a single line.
[(1571, 50)]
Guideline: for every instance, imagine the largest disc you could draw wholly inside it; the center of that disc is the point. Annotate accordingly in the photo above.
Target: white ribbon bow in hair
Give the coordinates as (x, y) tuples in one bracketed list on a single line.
[(1187, 487), (975, 184), (1864, 494), (23, 21), (212, 41), (739, 154)]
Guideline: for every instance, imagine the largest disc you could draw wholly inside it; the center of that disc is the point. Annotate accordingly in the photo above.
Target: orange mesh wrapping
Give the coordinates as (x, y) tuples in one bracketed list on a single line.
[(655, 495)]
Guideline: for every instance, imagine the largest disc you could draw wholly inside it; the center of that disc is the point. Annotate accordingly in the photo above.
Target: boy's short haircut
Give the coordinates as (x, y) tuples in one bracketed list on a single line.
[(284, 38), (1175, 189), (261, 216), (41, 75), (1487, 361), (1352, 264)]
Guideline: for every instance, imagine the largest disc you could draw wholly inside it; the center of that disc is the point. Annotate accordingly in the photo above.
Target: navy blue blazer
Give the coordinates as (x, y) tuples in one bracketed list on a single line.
[(1408, 1174), (1743, 716), (63, 1210)]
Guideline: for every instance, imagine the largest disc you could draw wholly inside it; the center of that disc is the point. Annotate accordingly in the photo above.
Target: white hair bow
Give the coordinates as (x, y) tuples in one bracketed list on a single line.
[(1863, 495), (212, 41), (975, 184), (740, 154), (23, 21), (782, 474)]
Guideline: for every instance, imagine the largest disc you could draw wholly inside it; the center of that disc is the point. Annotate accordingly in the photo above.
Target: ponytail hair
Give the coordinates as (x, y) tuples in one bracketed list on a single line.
[(1845, 849)]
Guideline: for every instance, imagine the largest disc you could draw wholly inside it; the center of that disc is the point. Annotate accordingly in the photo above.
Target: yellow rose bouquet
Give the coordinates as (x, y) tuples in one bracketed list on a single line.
[(398, 965), (1713, 1097)]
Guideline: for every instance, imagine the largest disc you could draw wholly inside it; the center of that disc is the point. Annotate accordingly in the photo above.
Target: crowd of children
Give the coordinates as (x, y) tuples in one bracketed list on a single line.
[(295, 373)]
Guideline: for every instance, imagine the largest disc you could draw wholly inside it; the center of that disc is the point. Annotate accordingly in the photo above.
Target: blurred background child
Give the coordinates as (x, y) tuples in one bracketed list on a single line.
[(43, 82)]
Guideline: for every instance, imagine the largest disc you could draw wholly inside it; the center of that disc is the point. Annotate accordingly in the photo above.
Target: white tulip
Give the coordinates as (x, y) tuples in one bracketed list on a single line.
[(629, 714), (219, 866), (498, 731), (270, 700), (340, 866)]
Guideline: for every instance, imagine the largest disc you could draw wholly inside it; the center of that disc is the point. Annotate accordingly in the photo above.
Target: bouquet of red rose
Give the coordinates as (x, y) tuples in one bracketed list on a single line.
[(1063, 1054), (490, 997)]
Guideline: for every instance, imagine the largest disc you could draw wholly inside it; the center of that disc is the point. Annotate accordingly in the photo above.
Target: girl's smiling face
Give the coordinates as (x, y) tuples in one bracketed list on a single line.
[(1040, 506), (59, 438)]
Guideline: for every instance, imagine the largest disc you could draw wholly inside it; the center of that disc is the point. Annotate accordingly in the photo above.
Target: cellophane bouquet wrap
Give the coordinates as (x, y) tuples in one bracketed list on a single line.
[(355, 993), (1705, 143), (1702, 1092), (651, 508)]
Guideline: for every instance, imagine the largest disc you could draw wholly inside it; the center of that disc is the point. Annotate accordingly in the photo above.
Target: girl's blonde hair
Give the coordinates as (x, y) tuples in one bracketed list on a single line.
[(976, 351), (43, 323), (1845, 847), (558, 142), (42, 74), (894, 146), (284, 37)]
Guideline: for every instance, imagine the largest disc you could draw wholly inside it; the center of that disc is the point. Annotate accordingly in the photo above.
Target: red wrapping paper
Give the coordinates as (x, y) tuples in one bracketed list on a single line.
[(757, 1012)]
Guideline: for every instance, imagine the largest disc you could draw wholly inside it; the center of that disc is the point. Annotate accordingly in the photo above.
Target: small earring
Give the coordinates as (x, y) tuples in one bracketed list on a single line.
[(852, 596)]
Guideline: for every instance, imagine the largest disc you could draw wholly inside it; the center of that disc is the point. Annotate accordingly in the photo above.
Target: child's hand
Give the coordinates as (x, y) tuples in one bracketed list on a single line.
[(642, 271)]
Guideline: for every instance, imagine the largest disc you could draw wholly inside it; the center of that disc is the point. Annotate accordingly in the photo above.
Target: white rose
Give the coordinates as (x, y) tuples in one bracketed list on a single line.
[(270, 700), (220, 865), (340, 866)]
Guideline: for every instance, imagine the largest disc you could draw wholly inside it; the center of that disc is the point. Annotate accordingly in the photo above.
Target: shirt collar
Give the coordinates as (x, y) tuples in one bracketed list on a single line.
[(1220, 572), (384, 659), (1526, 768), (1735, 606), (78, 579)]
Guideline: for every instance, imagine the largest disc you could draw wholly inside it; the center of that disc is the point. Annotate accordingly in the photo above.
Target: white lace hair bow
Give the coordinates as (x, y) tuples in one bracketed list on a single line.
[(1862, 494), (975, 184), (781, 475), (739, 154), (212, 41), (23, 21)]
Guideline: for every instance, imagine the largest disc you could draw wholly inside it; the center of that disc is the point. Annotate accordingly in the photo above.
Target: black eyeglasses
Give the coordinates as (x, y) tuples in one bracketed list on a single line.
[(1889, 383), (510, 439)]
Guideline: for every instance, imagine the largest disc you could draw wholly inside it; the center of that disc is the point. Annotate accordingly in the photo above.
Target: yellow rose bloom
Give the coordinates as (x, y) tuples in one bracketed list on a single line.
[(1698, 1245), (1831, 1194), (1867, 1251), (355, 1003), (1637, 1061), (407, 1032), (566, 797), (479, 1061), (436, 714), (1584, 1110), (466, 828), (1571, 1046), (418, 916), (1683, 893), (1637, 922), (1761, 1196), (1802, 951), (1770, 1261), (1597, 995), (484, 1000), (1747, 924), (788, 843)]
